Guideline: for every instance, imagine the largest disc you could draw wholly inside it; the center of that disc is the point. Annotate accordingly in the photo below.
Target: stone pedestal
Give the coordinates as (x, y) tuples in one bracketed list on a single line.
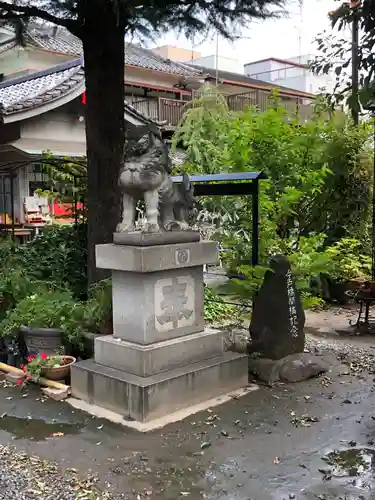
[(160, 358)]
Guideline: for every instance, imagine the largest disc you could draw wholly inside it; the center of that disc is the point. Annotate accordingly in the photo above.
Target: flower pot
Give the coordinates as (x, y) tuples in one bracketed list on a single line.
[(60, 373), (38, 340)]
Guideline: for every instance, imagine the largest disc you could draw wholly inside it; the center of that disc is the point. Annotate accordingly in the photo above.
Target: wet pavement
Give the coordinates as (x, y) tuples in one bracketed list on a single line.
[(308, 441)]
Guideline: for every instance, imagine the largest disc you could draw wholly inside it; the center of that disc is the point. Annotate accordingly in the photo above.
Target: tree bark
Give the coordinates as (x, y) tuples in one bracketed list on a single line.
[(103, 44)]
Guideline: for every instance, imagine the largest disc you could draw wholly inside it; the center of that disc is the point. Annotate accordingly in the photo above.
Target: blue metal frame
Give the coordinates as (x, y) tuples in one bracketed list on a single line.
[(234, 184)]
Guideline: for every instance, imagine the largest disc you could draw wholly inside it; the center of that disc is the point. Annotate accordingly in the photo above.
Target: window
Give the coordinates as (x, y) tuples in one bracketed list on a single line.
[(38, 178)]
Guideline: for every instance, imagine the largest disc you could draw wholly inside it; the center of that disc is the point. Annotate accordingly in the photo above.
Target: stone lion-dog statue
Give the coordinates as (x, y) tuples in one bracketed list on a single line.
[(145, 174)]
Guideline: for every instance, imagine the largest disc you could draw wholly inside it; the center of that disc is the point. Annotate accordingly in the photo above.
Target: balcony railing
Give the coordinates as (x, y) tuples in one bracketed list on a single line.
[(170, 111)]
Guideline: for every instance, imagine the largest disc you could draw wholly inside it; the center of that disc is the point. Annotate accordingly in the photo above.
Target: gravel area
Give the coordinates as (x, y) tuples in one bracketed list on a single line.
[(30, 478), (358, 358)]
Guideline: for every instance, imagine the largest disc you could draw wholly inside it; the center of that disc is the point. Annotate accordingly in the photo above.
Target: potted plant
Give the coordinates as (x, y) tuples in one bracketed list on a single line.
[(49, 367), (349, 270), (38, 319)]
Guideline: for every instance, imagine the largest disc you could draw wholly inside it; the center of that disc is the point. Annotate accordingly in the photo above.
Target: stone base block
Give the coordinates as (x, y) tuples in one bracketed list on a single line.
[(141, 239), (146, 360), (146, 398)]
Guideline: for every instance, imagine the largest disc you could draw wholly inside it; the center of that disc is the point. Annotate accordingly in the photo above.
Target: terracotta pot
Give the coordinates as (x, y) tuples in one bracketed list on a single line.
[(60, 373), (39, 340)]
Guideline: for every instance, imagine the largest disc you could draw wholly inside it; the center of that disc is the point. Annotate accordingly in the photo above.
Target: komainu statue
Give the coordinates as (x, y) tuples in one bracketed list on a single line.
[(145, 174)]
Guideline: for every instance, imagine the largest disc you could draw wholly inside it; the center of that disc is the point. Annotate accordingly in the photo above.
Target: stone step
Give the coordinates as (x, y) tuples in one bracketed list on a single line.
[(146, 360), (147, 398)]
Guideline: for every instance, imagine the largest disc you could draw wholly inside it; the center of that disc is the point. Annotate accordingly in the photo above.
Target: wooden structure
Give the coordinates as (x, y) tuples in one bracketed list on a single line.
[(170, 111)]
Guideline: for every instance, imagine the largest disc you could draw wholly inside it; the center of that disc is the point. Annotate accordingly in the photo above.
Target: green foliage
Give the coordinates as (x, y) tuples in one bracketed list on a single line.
[(45, 310), (67, 181), (312, 166), (99, 305), (247, 288), (215, 309), (58, 255), (317, 190), (347, 260), (335, 54), (203, 16)]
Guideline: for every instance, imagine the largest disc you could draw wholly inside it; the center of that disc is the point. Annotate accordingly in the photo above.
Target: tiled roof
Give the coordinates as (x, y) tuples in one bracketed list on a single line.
[(146, 58), (33, 90), (68, 44), (62, 41), (7, 45)]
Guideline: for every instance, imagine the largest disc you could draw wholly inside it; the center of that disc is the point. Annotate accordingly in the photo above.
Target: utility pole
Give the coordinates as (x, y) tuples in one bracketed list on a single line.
[(217, 60), (300, 30), (355, 63)]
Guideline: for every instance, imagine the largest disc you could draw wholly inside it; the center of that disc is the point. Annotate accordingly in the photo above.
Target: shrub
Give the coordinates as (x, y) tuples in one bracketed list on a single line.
[(58, 255), (44, 310)]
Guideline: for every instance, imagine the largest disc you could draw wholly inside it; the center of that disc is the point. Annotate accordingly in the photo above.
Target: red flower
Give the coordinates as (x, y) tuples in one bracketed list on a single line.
[(28, 378), (22, 367), (44, 355), (31, 357), (20, 381)]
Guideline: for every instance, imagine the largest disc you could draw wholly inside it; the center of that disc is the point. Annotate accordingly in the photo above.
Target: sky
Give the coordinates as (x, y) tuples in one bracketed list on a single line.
[(271, 38)]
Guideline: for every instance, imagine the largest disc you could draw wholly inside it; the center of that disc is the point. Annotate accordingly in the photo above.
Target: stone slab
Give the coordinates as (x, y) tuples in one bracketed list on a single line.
[(159, 423), (146, 360), (147, 398), (142, 239), (56, 394), (153, 307), (149, 259)]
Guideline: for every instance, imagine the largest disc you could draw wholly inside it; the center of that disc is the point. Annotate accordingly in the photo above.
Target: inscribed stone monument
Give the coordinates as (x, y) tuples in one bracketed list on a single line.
[(277, 323)]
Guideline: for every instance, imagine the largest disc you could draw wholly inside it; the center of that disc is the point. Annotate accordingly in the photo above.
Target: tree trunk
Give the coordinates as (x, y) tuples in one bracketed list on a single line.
[(103, 45)]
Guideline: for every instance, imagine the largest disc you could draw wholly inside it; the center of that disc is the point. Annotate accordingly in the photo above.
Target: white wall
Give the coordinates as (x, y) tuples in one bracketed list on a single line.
[(290, 75), (145, 76), (223, 63)]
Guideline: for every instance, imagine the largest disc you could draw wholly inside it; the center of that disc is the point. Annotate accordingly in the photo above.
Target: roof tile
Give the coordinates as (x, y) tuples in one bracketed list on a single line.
[(38, 89), (146, 58)]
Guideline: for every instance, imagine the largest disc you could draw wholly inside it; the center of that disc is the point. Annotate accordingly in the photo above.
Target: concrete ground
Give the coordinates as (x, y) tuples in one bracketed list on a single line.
[(312, 440)]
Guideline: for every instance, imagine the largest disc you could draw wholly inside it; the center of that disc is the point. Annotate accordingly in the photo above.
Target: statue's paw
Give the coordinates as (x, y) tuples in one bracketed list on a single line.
[(184, 226), (152, 228), (124, 228), (172, 226)]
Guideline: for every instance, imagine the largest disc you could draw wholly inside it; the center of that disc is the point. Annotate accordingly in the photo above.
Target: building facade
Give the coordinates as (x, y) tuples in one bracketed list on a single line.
[(42, 106), (294, 73)]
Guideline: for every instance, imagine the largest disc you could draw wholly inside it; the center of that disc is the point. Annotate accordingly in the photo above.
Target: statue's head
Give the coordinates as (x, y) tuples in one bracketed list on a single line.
[(145, 163)]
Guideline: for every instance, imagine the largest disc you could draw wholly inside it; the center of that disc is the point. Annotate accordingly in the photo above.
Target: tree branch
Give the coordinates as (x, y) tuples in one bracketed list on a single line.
[(11, 11)]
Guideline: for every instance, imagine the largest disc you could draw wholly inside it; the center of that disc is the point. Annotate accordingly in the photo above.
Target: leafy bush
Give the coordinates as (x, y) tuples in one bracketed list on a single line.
[(347, 261), (317, 192), (58, 255), (45, 310), (215, 309)]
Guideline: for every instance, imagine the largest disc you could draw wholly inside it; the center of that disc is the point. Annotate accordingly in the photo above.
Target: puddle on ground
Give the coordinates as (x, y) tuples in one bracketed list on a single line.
[(36, 429), (352, 462)]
